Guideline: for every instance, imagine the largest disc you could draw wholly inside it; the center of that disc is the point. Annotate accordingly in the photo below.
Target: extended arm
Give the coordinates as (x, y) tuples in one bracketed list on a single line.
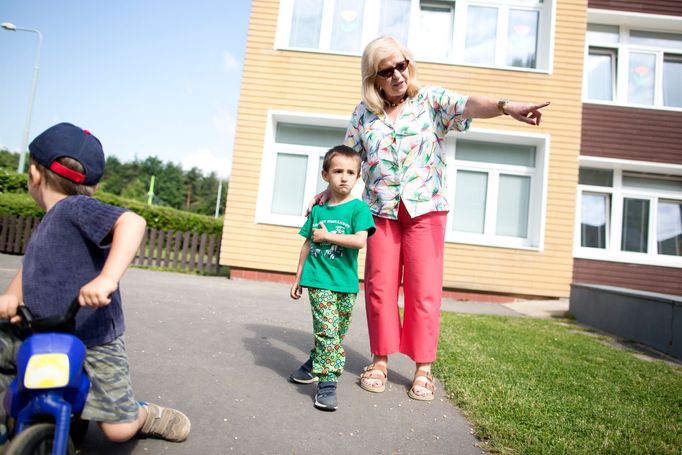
[(356, 241), (127, 235), (296, 290), (485, 107)]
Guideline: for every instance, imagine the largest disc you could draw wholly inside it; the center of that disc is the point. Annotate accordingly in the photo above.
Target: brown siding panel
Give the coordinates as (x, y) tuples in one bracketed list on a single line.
[(666, 280), (665, 7), (631, 134)]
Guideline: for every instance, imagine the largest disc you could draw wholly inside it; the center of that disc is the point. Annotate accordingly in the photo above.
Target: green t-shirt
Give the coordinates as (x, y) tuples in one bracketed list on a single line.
[(330, 266)]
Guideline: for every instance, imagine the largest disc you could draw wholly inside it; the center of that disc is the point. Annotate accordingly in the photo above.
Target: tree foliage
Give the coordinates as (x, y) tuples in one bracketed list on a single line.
[(8, 160), (190, 190)]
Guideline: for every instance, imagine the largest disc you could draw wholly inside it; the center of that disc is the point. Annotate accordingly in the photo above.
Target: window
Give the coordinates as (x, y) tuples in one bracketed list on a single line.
[(436, 23), (498, 33), (496, 190), (292, 165), (394, 19), (601, 74), (481, 40), (672, 80), (496, 181), (306, 22), (630, 216), (669, 228), (594, 217), (347, 25), (629, 65)]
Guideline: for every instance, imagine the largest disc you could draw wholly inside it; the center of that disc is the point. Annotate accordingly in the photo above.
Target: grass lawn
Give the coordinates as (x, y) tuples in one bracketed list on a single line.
[(532, 386)]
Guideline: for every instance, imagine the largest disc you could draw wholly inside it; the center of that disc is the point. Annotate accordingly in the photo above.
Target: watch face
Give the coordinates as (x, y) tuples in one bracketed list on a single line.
[(501, 104)]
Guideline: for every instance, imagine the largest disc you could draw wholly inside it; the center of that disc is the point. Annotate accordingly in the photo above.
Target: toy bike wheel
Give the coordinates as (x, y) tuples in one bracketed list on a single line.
[(35, 440), (78, 430)]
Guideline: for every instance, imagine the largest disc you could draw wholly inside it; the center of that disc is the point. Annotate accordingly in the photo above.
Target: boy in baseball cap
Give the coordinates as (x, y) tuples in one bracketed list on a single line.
[(82, 247)]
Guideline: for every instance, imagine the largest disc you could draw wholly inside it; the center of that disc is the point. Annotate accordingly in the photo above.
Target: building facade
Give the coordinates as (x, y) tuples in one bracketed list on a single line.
[(512, 187), (629, 216)]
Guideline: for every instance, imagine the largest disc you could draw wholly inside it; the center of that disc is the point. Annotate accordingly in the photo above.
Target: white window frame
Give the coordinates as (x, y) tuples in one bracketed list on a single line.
[(538, 189), (627, 22), (269, 161), (538, 174), (372, 8), (613, 252)]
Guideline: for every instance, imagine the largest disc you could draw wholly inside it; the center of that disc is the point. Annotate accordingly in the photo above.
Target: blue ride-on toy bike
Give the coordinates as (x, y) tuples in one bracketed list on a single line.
[(48, 394)]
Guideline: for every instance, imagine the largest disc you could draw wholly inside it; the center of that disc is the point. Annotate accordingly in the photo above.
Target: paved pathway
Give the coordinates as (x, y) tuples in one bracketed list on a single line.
[(221, 350)]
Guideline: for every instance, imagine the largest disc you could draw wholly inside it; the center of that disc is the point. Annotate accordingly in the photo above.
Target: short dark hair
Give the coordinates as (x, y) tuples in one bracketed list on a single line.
[(61, 184), (342, 150)]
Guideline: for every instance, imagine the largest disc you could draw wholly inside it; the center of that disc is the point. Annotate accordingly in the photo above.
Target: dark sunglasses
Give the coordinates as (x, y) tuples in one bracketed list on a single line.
[(388, 72)]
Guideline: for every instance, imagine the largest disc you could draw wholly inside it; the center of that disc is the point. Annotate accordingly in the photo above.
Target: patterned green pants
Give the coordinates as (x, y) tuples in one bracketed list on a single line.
[(332, 314)]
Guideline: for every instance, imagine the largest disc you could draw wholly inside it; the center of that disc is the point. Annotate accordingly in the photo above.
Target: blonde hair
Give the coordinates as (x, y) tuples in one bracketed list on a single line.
[(376, 51), (61, 184)]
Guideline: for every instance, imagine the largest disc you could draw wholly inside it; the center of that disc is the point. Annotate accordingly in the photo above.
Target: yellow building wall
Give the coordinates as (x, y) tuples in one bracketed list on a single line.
[(330, 84)]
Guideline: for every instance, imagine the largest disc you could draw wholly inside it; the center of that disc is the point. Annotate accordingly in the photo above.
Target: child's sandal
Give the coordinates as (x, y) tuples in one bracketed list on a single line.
[(423, 379), (374, 372)]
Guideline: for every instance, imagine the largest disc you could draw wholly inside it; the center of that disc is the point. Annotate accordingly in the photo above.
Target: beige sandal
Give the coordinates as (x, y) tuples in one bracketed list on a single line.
[(377, 372), (424, 379)]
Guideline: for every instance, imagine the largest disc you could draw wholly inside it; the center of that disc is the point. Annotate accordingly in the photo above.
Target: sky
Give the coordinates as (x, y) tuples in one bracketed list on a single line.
[(147, 77)]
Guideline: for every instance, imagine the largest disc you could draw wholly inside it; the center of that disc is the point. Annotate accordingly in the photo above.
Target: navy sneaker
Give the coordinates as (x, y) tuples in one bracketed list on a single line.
[(325, 398), (303, 375)]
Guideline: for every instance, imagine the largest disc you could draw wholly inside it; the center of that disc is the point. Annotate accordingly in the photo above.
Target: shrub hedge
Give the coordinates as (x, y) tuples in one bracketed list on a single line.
[(12, 182), (14, 200)]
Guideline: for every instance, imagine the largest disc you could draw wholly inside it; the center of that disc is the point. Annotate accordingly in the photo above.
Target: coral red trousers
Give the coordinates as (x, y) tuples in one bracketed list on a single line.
[(408, 250)]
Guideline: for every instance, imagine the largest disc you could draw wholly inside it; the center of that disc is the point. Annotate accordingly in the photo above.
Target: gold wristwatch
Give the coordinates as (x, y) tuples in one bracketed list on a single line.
[(500, 106)]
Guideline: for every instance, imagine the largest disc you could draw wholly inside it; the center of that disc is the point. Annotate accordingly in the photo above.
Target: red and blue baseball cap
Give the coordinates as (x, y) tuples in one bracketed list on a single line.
[(67, 140)]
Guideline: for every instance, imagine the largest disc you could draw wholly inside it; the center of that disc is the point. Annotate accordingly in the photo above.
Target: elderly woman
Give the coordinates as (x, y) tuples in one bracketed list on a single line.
[(398, 129)]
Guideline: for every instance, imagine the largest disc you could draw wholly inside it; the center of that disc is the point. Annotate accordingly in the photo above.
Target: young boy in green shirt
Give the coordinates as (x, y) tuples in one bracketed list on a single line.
[(328, 267)]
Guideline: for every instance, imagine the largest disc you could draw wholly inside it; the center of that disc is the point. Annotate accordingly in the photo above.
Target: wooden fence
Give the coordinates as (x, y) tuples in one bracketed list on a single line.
[(190, 251)]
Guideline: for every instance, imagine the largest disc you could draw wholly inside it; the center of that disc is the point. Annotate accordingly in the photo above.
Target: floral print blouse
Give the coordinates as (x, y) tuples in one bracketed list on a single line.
[(404, 160)]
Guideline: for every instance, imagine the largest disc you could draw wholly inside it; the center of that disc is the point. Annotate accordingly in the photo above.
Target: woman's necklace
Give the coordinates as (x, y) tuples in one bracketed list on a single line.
[(402, 100)]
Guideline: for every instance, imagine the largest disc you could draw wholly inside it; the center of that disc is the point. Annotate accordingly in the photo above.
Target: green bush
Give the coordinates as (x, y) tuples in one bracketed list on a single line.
[(166, 218), (157, 217), (11, 182), (19, 204)]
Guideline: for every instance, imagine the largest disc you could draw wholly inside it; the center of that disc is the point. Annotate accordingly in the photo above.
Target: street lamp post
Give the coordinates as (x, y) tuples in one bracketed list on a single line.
[(27, 126)]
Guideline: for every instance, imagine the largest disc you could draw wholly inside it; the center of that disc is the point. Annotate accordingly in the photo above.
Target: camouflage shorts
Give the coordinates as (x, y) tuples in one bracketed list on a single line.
[(111, 396)]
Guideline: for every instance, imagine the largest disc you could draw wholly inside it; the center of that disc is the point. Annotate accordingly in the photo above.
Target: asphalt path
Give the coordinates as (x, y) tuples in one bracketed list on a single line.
[(221, 351)]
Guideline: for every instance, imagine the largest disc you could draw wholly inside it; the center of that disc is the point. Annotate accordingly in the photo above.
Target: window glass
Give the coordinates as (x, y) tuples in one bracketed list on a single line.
[(635, 235), (641, 78), (347, 25), (321, 184), (306, 23), (669, 228), (634, 180), (395, 19), (481, 37), (492, 152), (522, 38), (594, 213), (672, 80), (468, 214), (599, 177), (289, 185), (600, 74), (512, 206), (656, 39), (319, 136), (600, 33), (435, 31)]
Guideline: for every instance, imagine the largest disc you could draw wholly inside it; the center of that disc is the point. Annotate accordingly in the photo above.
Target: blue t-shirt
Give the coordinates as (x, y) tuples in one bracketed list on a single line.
[(67, 250)]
